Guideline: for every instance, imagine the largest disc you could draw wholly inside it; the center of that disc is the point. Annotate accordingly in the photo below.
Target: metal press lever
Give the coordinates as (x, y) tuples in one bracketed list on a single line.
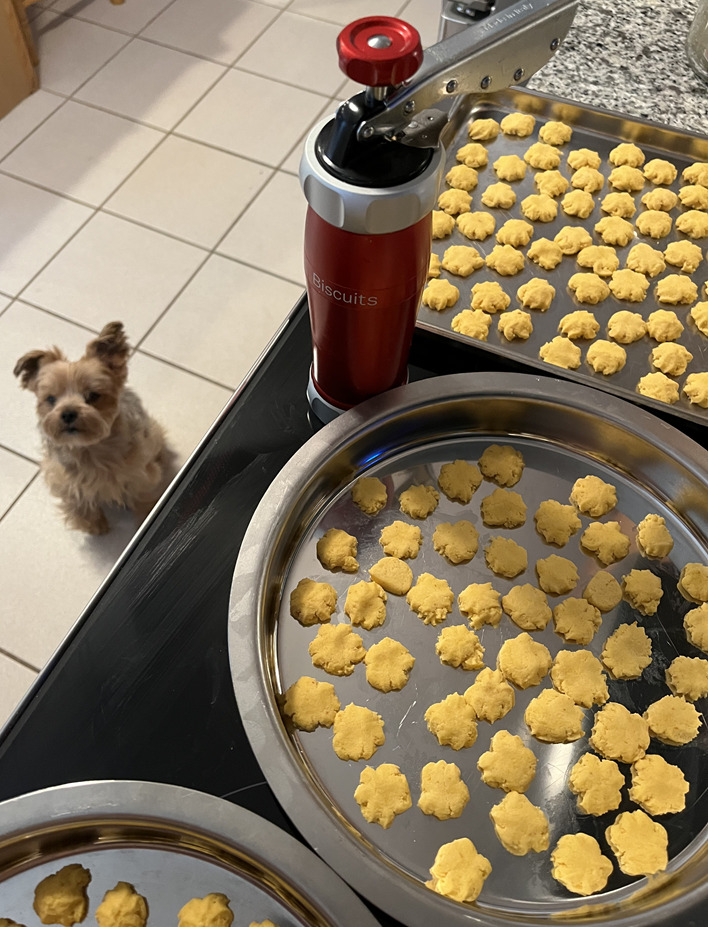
[(494, 53)]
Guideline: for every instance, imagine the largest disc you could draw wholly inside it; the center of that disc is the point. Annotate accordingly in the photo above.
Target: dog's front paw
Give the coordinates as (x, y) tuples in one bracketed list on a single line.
[(90, 522)]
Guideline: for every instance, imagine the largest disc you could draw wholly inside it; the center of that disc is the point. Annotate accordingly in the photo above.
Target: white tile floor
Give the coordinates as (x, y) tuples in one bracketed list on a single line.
[(152, 179)]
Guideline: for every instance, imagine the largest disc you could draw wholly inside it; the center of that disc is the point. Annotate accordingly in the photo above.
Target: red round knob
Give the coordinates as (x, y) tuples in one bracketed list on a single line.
[(379, 50)]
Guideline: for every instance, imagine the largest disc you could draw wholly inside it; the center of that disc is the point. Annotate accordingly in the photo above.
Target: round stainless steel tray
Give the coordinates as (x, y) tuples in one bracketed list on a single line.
[(172, 844), (564, 431)]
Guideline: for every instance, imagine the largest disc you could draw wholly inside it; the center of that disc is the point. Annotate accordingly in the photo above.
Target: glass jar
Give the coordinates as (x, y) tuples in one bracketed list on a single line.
[(697, 42)]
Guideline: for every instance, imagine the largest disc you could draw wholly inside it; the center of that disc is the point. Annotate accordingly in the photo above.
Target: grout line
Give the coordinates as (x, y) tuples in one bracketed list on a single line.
[(18, 497), (16, 659), (58, 315), (182, 368), (41, 186), (15, 453)]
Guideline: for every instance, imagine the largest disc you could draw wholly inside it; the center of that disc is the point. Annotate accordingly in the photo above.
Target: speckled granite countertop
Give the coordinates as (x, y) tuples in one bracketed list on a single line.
[(629, 56)]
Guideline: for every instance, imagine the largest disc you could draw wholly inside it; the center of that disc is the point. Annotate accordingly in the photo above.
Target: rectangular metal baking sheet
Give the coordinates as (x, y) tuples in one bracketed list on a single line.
[(599, 131)]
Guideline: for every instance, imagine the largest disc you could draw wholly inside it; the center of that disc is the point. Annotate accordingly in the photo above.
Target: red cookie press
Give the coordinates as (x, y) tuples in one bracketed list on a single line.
[(371, 176)]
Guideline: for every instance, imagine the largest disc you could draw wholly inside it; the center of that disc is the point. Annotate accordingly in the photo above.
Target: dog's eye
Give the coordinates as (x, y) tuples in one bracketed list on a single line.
[(91, 398), (50, 400)]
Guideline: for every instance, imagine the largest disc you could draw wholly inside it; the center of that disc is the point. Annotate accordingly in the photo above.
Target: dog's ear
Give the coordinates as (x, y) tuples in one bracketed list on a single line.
[(28, 366), (111, 347)]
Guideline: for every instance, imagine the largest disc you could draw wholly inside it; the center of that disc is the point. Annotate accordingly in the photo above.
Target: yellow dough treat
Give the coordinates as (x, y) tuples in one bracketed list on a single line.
[(646, 260), (484, 130), (476, 225), (502, 463), (337, 649), (626, 327), (695, 624), (626, 153), (503, 509), (554, 718), (336, 550), (593, 496), (658, 787), (578, 202), (693, 223), (459, 647), (537, 293), (505, 260), (524, 661), (614, 230), (515, 325), (527, 606), (639, 844), (401, 540), (576, 620), (556, 575), (587, 179), (440, 294), (676, 289), (606, 541), (310, 704), (539, 207), (479, 603), (489, 297), (490, 696), (382, 793), (626, 178), (601, 259), (458, 542), (583, 157), (555, 132), (442, 792), (688, 677), (459, 871), (462, 177), (597, 783), (660, 171), (542, 156), (510, 168), (472, 155), (499, 196), (369, 494), (515, 232), (627, 652), (693, 582), (453, 722), (122, 906), (520, 826), (696, 173), (442, 224), (578, 864), (661, 199), (505, 557), (61, 898), (555, 522), (619, 734), (520, 125), (653, 538), (265, 923), (673, 720), (696, 389), (605, 357), (552, 183), (210, 911), (561, 352), (431, 599), (392, 574), (603, 591), (453, 202), (578, 674), (419, 501), (546, 253), (694, 196), (664, 325), (472, 322), (619, 204), (580, 324), (629, 285), (684, 254), (588, 288), (358, 732), (459, 480), (671, 359), (462, 260), (365, 605), (508, 764), (642, 589), (572, 238), (312, 602)]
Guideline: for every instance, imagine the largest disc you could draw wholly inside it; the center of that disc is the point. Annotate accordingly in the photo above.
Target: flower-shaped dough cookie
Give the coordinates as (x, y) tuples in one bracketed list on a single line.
[(653, 537), (518, 124), (388, 665), (642, 589), (583, 157), (502, 463), (646, 260), (524, 661), (660, 387), (626, 327), (661, 198), (312, 602), (462, 177), (696, 389), (440, 294), (664, 325), (671, 358), (555, 522), (555, 132), (459, 480), (572, 238), (419, 500), (337, 649), (552, 183), (561, 352), (484, 130), (593, 496), (505, 557), (693, 223), (476, 225), (619, 734), (505, 260), (578, 864), (626, 153), (365, 605), (597, 783), (369, 494), (453, 722), (382, 793), (688, 677), (619, 204), (627, 652), (576, 620), (515, 325), (556, 575), (660, 171), (683, 254), (462, 260), (539, 207), (479, 602), (696, 173), (546, 253), (472, 322), (508, 764), (442, 791), (490, 696), (699, 315), (629, 285), (401, 540), (601, 259), (456, 542), (693, 582), (489, 297), (639, 843), (615, 231), (472, 155), (673, 720), (626, 178), (554, 718), (588, 288), (213, 910), (694, 196), (61, 898), (606, 357), (527, 606), (537, 293), (515, 232), (606, 540), (509, 167), (431, 599), (579, 674), (580, 324), (654, 223), (578, 203), (453, 202), (543, 156), (460, 647), (658, 787), (122, 905), (588, 179), (311, 704), (520, 826), (336, 550), (499, 196), (695, 623), (358, 732), (442, 224), (459, 871)]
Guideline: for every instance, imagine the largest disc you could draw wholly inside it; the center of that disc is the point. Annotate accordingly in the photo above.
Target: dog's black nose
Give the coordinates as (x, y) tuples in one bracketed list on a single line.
[(69, 417)]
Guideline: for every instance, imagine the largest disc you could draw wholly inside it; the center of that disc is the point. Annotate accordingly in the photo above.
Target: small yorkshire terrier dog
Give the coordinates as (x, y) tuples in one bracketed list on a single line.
[(101, 447)]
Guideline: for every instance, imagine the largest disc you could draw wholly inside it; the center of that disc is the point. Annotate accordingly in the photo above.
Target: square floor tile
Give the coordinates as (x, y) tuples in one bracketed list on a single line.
[(16, 680), (26, 116), (251, 239), (35, 224), (130, 16), (71, 51), (292, 162), (266, 124), (15, 474), (217, 29), (115, 269), (425, 16), (299, 51), (214, 188), (222, 321), (344, 12), (151, 83), (82, 152)]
